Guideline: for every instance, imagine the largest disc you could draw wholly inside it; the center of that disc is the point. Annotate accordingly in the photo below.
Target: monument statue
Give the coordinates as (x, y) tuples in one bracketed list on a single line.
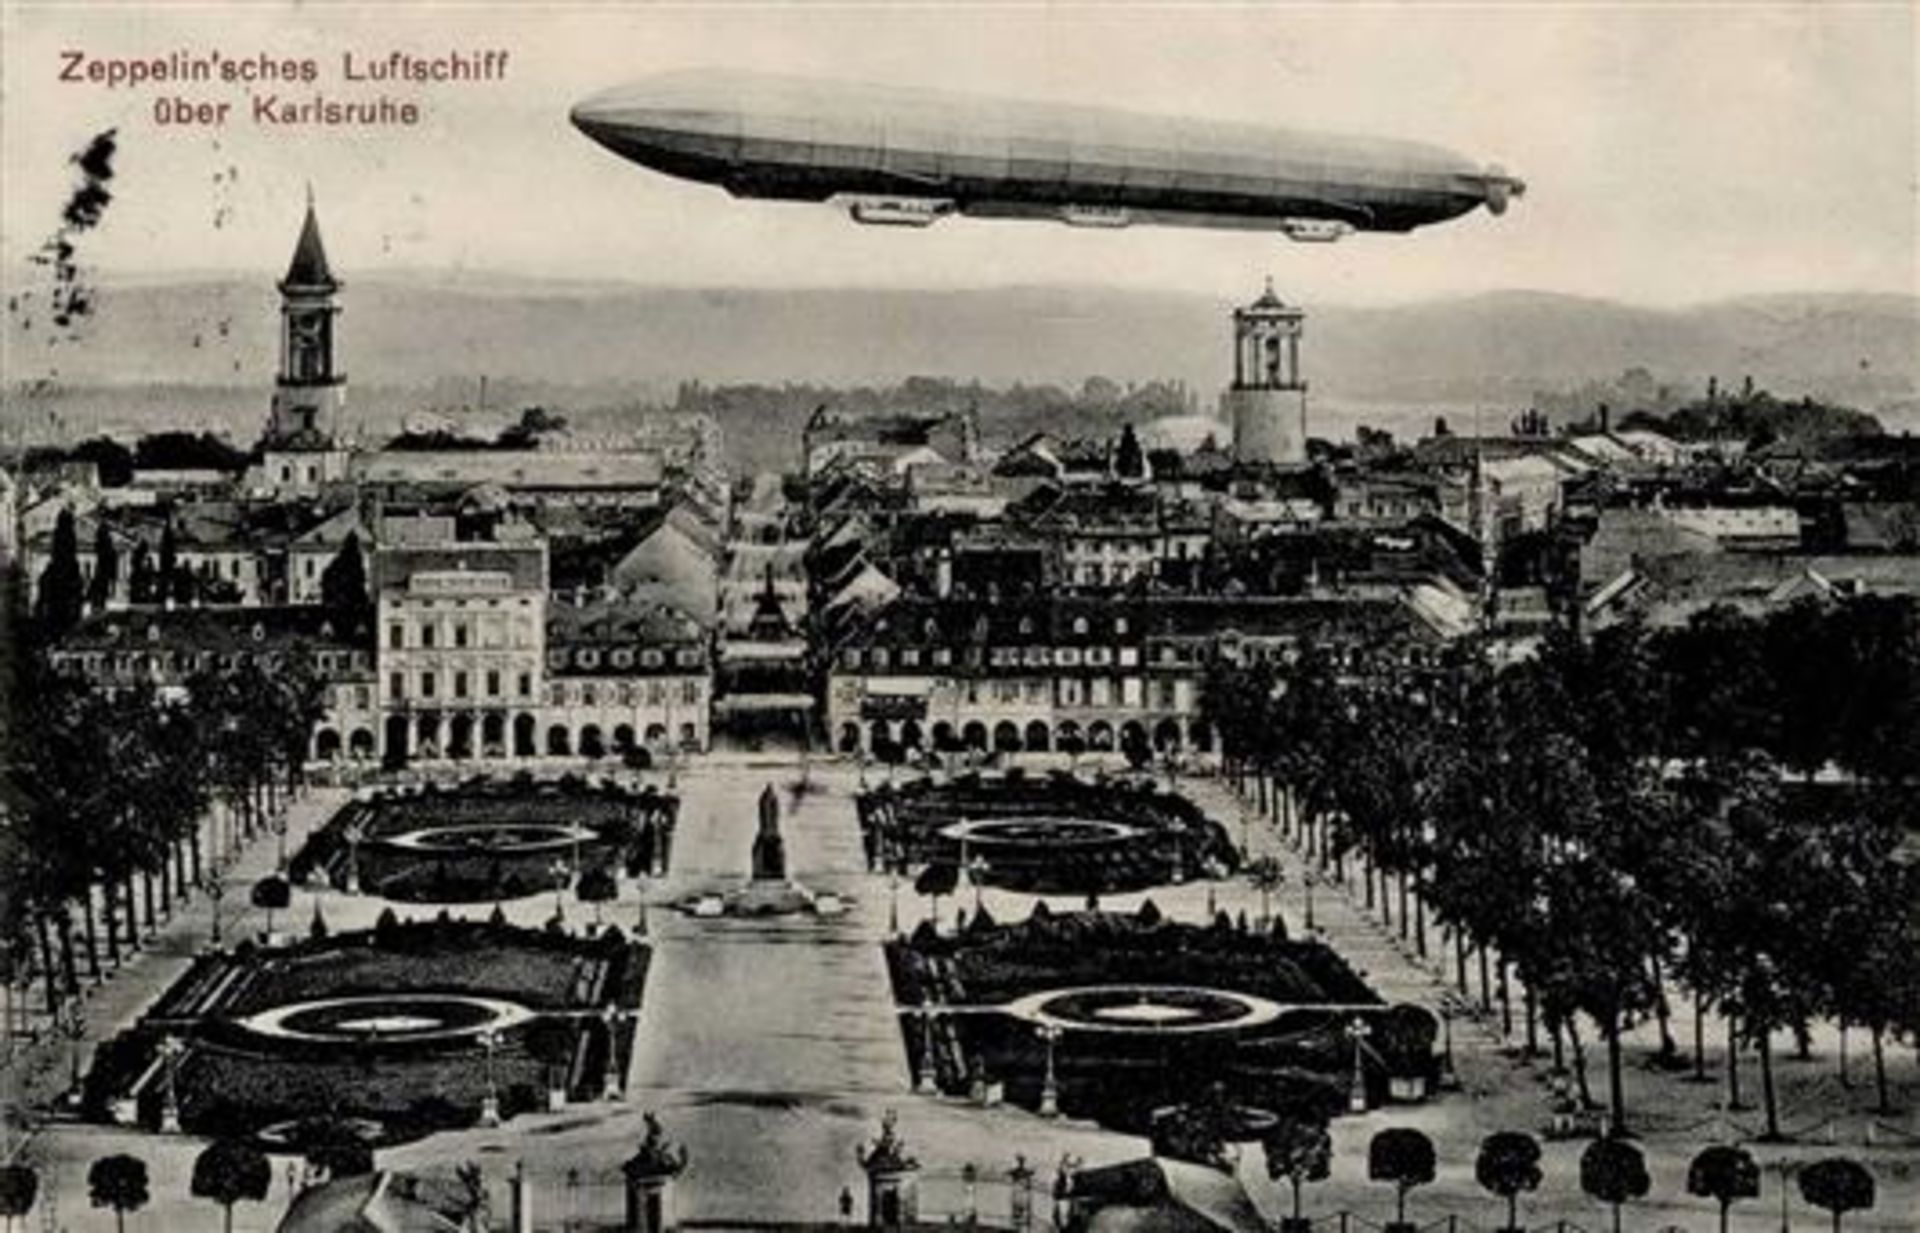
[(769, 849)]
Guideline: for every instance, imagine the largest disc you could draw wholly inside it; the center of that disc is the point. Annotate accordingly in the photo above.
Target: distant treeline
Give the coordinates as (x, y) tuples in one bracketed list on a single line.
[(160, 451), (1636, 400), (763, 423)]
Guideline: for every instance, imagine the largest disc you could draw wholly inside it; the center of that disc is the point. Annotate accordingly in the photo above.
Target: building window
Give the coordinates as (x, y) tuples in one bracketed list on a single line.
[(459, 684), (852, 657), (397, 685), (460, 634), (396, 636), (426, 633), (652, 659), (623, 658), (493, 683), (526, 685), (589, 696), (589, 658), (690, 692), (426, 684)]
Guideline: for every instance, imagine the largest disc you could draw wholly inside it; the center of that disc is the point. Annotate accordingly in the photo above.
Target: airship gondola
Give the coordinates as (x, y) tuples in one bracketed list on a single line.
[(905, 157)]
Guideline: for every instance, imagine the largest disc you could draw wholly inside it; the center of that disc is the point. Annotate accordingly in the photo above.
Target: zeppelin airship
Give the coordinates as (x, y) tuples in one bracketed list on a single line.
[(908, 157)]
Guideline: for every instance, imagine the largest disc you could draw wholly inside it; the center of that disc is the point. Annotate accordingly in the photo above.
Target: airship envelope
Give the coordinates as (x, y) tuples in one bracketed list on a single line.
[(911, 157)]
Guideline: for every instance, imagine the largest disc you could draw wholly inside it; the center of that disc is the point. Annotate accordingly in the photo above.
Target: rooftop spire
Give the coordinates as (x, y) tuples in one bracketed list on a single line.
[(1268, 299), (309, 268)]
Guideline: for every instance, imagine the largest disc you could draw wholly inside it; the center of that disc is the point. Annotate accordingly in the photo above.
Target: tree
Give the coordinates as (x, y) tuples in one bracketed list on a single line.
[(169, 583), (230, 1171), (19, 1187), (1837, 1185), (1198, 1130), (1508, 1166), (106, 568), (1613, 1171), (937, 880), (343, 583), (534, 423), (1403, 1156), (1724, 1174), (335, 1148), (118, 1182), (1299, 1150), (58, 603), (140, 584), (597, 886), (272, 893)]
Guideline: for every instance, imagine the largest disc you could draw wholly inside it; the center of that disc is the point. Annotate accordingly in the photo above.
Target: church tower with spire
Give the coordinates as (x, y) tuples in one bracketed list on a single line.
[(302, 449), (310, 388)]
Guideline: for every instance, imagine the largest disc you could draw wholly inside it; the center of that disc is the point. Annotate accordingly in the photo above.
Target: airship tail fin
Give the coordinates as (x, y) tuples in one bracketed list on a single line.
[(1502, 188)]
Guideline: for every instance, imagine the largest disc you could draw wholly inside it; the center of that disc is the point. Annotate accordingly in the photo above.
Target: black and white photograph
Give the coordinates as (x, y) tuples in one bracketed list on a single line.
[(1025, 617)]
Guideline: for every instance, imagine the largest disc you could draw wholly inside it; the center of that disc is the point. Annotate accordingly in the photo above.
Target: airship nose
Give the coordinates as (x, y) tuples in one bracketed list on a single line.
[(597, 115)]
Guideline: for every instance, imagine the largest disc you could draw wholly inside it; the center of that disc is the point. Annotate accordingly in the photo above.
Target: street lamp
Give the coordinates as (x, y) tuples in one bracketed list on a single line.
[(490, 1103), (170, 1051), (73, 1025), (1050, 1085), (923, 1079), (613, 1016), (353, 834), (1308, 880), (893, 901), (559, 870), (1357, 1032), (976, 869), (1449, 1005), (214, 882)]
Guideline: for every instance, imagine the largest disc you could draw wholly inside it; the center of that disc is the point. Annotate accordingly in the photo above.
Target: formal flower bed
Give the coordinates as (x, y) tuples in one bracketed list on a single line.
[(488, 839), (1142, 1012), (408, 1026), (1054, 834)]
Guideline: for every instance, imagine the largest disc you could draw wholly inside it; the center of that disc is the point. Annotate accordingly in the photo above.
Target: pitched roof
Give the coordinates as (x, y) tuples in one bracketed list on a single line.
[(309, 271)]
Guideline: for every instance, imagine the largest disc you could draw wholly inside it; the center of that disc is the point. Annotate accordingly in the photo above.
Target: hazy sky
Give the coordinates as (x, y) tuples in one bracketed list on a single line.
[(1674, 153)]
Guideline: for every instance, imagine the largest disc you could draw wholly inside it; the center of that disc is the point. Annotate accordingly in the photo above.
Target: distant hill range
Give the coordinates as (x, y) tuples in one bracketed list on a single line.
[(423, 342)]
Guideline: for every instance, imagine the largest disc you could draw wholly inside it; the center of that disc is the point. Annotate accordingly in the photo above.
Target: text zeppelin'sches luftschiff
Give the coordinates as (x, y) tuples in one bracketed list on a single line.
[(197, 89)]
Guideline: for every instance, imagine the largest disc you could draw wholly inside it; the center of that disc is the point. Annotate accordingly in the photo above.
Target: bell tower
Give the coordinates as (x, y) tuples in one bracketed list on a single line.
[(1267, 403), (309, 390)]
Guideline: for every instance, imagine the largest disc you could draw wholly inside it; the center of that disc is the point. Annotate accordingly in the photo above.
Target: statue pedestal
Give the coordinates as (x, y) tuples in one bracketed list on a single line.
[(764, 898)]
